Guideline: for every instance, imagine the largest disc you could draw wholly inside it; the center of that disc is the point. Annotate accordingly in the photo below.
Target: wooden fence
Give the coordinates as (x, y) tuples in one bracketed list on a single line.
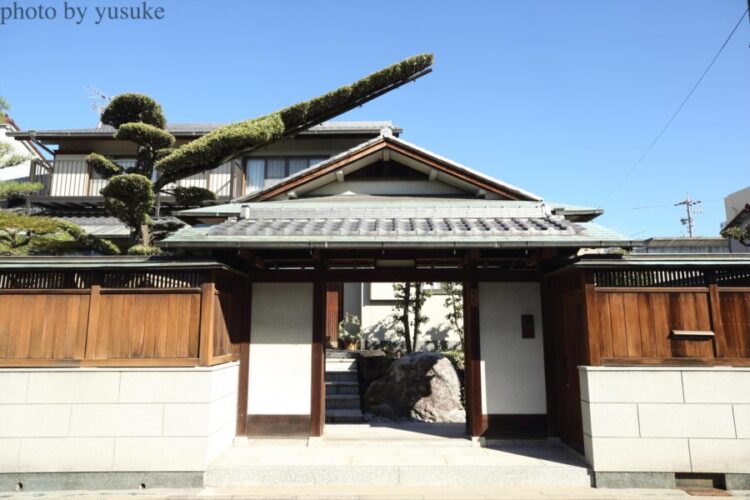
[(119, 318), (675, 317), (633, 317)]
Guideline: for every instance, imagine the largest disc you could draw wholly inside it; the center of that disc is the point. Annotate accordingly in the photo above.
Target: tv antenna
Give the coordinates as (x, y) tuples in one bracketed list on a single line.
[(100, 100), (689, 219)]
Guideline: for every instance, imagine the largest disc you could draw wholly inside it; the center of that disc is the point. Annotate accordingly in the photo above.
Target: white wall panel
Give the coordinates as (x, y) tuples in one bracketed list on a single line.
[(280, 349)]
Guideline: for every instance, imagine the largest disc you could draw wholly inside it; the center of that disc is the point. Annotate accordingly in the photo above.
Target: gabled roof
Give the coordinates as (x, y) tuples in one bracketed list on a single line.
[(387, 146)]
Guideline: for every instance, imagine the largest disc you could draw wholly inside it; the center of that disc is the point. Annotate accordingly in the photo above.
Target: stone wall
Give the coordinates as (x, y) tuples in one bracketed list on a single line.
[(116, 419), (669, 420)]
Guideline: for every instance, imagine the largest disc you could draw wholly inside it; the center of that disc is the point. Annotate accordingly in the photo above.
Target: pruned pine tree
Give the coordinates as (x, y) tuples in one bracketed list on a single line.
[(27, 234), (129, 193), (410, 299), (140, 119)]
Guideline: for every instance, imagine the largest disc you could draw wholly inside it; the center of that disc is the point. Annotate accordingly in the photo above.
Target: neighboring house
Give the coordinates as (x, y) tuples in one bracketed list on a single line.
[(24, 148), (737, 207), (135, 370)]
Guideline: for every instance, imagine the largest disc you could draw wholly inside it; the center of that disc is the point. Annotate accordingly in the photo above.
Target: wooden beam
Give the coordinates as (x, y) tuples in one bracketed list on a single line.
[(392, 275), (592, 319), (92, 323), (317, 365), (206, 331), (676, 362), (548, 345), (714, 310), (476, 422), (244, 376), (334, 310)]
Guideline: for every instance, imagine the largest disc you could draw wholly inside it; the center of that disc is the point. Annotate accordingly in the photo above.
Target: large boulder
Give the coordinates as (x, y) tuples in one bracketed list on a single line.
[(420, 386)]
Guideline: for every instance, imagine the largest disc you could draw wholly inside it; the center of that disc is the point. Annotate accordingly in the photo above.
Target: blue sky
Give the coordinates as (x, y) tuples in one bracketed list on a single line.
[(558, 97)]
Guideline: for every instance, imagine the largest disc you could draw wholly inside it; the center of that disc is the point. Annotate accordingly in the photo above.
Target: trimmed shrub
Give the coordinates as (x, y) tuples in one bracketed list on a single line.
[(102, 166), (16, 189), (127, 108), (192, 196), (130, 198), (144, 134), (144, 250)]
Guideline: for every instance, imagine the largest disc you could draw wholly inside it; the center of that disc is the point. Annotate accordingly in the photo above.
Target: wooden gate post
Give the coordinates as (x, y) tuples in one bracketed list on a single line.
[(244, 376), (317, 379), (476, 422)]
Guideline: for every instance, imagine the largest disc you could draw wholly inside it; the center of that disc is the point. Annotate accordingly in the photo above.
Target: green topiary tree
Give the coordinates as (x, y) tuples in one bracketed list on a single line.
[(130, 198), (139, 119)]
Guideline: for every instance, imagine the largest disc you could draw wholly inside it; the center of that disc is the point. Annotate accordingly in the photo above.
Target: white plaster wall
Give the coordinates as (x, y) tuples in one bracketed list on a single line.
[(116, 419), (676, 419), (512, 367), (377, 315), (280, 349)]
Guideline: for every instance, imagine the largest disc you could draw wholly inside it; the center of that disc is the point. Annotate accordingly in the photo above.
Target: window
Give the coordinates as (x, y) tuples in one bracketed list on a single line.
[(264, 172)]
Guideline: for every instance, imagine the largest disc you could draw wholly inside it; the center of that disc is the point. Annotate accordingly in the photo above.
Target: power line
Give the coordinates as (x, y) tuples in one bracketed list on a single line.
[(676, 112)]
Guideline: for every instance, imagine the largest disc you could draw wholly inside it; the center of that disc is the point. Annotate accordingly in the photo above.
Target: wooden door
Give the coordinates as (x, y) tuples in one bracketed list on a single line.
[(573, 352), (334, 311)]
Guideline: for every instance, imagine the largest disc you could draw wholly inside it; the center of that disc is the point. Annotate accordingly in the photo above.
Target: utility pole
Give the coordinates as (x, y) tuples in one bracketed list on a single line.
[(689, 221)]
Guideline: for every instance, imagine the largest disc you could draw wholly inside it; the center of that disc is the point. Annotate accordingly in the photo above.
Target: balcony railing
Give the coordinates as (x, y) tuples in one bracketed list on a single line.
[(72, 178)]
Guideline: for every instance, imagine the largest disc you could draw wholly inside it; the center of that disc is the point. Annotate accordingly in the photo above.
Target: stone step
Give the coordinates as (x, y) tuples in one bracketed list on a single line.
[(337, 353), (341, 365), (396, 475), (342, 388), (344, 415), (346, 376), (342, 401)]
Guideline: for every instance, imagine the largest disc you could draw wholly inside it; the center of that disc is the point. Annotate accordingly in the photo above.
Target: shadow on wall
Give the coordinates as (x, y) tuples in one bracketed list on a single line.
[(385, 335)]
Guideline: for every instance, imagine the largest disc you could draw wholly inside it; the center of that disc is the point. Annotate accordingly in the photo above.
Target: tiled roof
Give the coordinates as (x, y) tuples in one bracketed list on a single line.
[(282, 224)]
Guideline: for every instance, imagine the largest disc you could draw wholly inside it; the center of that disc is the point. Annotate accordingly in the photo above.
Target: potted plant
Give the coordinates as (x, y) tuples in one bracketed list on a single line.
[(350, 331)]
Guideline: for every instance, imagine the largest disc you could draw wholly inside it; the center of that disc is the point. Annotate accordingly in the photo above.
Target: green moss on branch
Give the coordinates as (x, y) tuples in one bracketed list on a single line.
[(227, 142)]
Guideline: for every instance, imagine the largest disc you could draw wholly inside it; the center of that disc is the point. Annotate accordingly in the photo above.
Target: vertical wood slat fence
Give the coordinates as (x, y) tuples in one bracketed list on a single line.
[(622, 317), (639, 317), (123, 318)]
